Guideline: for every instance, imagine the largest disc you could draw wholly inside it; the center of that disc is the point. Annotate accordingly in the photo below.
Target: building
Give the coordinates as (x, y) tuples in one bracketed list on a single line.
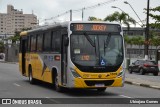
[(135, 51), (14, 20)]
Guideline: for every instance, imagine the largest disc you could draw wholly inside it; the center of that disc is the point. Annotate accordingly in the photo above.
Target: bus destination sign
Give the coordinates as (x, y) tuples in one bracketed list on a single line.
[(95, 27)]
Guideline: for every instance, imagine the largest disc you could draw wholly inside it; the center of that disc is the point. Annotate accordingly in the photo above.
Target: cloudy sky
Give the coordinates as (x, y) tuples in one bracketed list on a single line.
[(45, 9)]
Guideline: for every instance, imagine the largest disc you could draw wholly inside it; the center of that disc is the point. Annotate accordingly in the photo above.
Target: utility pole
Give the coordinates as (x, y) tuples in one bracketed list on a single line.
[(70, 15), (82, 13), (147, 32)]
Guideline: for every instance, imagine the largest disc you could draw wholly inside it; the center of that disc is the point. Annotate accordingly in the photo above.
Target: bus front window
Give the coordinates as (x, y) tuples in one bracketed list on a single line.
[(97, 50)]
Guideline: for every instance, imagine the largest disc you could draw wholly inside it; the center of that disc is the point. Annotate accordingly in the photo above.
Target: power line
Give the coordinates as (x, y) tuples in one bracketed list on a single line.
[(95, 6), (79, 10)]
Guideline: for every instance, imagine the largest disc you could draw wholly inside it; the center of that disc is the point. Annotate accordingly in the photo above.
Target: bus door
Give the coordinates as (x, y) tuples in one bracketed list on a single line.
[(24, 47), (65, 42)]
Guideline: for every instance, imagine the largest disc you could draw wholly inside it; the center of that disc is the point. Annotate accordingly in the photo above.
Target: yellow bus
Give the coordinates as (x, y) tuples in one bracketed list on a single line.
[(74, 54)]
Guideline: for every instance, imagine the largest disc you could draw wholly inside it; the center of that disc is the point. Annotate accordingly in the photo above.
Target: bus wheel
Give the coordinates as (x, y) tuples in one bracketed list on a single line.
[(57, 87), (101, 89), (31, 79)]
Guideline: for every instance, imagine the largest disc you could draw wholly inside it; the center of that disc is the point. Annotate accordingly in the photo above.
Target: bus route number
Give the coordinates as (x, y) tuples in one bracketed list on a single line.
[(85, 57), (79, 27)]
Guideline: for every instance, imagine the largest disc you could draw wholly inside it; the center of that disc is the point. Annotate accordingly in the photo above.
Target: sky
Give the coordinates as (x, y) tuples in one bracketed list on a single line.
[(45, 9)]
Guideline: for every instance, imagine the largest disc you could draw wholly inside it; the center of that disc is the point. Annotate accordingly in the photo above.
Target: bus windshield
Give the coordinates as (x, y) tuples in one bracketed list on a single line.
[(97, 50)]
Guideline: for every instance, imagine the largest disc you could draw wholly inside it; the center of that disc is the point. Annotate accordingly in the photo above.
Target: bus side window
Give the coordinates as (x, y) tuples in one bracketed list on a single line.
[(33, 43), (39, 42), (47, 41), (56, 41), (29, 43)]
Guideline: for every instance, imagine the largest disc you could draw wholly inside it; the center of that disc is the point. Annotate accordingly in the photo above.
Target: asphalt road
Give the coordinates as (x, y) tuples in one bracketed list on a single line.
[(13, 85)]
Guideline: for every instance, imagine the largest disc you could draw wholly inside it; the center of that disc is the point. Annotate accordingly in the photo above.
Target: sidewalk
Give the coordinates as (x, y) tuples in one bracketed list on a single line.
[(9, 62), (143, 82)]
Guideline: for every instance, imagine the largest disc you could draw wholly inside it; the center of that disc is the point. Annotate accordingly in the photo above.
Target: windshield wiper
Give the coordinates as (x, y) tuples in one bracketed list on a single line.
[(89, 39), (93, 43), (106, 42)]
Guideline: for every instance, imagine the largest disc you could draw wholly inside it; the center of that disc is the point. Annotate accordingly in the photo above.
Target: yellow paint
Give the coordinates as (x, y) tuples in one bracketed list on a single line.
[(33, 59), (20, 63), (24, 33), (106, 75), (79, 82), (47, 76)]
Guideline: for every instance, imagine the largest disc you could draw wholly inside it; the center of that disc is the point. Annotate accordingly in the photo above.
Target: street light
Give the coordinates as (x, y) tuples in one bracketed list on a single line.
[(119, 9), (124, 13), (147, 27), (134, 12)]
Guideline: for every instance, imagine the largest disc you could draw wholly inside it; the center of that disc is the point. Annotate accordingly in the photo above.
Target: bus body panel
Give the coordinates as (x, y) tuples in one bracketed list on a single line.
[(94, 78), (42, 64)]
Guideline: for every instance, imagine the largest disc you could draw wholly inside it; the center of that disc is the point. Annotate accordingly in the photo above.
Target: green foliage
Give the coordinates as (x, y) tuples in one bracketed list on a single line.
[(137, 40), (91, 18), (155, 15), (122, 18), (16, 37), (1, 47)]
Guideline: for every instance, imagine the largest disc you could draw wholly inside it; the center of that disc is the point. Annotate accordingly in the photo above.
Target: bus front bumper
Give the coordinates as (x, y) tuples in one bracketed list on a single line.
[(97, 83)]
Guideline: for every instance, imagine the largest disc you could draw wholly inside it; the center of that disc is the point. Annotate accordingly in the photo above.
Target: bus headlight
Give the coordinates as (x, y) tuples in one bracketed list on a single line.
[(120, 74), (74, 73)]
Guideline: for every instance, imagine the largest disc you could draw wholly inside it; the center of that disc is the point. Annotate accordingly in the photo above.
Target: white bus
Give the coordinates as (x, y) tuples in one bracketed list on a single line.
[(74, 54)]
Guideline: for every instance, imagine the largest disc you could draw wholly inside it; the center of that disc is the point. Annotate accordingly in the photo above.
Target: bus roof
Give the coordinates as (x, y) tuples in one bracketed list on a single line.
[(63, 24)]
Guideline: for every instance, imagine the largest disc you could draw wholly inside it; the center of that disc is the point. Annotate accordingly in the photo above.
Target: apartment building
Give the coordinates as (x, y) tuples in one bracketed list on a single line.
[(15, 20)]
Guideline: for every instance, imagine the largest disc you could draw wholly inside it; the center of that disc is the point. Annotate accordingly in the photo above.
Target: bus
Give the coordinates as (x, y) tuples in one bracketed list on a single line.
[(74, 54)]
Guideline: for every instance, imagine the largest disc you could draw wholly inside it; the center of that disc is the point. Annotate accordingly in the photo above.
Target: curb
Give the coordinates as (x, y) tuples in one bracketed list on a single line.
[(9, 62), (143, 85)]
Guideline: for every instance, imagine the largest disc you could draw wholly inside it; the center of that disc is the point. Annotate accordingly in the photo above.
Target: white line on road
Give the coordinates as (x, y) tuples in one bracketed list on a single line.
[(125, 96), (16, 84)]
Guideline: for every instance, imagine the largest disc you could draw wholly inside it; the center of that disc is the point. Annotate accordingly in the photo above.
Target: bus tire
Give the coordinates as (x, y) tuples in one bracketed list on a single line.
[(101, 89), (31, 79), (56, 84)]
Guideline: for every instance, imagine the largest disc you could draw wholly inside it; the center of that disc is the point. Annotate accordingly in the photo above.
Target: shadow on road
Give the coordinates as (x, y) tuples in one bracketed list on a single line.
[(73, 92)]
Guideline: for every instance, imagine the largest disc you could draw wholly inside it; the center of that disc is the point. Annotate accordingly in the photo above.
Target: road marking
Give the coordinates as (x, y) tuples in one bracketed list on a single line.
[(125, 96), (16, 84)]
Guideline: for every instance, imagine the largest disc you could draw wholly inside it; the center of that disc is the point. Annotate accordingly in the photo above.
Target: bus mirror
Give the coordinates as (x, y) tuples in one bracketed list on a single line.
[(66, 41)]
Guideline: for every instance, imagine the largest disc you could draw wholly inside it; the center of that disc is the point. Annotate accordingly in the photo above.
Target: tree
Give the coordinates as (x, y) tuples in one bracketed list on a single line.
[(122, 18), (155, 42), (91, 18), (16, 37), (155, 16), (1, 47)]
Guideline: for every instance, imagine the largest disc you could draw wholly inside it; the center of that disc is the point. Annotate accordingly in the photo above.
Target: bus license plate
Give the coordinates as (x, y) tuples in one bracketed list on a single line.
[(99, 85)]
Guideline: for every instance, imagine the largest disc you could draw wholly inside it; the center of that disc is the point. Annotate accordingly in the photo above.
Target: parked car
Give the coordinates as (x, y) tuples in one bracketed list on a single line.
[(143, 67)]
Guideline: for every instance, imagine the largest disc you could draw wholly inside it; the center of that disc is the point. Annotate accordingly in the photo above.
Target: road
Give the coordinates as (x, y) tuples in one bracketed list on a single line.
[(13, 85)]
